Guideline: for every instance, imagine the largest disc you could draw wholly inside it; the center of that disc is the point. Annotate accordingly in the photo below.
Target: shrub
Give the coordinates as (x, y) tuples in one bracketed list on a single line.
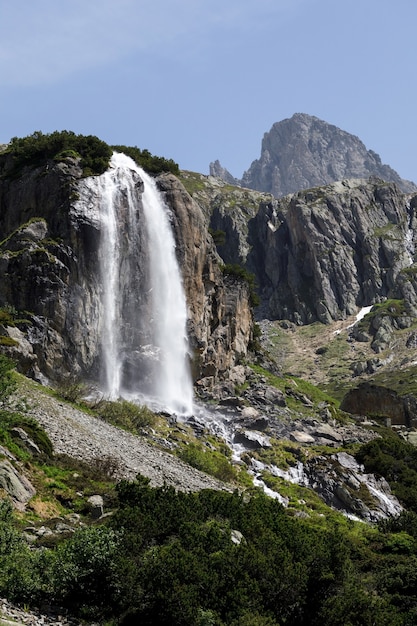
[(219, 236), (125, 414), (149, 162), (237, 271), (37, 149), (71, 389), (7, 382), (208, 461)]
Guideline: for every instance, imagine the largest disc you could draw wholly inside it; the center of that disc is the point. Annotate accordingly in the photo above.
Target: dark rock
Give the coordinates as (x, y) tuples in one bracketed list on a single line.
[(96, 505), (15, 484), (252, 440), (50, 234), (373, 400)]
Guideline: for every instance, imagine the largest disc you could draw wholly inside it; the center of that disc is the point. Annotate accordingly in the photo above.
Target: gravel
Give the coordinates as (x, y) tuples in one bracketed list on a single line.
[(85, 437)]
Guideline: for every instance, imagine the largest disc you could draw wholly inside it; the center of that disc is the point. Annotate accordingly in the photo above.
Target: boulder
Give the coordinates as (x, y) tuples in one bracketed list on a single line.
[(17, 486), (96, 506)]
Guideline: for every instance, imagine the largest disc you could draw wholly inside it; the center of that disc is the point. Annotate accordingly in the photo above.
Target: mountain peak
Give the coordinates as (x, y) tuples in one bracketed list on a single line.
[(304, 151)]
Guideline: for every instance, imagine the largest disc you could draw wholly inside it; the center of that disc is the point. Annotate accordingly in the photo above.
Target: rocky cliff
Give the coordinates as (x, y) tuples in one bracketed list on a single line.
[(320, 254), (49, 275), (323, 253), (303, 152)]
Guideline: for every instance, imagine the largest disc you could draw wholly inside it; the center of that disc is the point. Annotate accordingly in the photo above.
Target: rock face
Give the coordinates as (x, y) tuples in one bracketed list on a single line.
[(322, 253), (303, 152), (374, 400), (49, 270), (220, 321)]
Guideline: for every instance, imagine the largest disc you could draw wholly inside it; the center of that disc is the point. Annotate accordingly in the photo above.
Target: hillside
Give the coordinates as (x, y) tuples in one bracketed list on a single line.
[(291, 471)]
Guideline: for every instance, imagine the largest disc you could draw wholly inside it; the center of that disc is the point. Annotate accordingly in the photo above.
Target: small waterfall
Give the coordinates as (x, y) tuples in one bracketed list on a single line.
[(144, 343), (409, 236)]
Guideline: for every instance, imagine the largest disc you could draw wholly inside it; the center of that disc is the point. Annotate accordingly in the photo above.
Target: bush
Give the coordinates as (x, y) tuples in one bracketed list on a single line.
[(208, 461), (37, 149), (125, 414), (395, 460), (84, 570), (237, 271), (72, 390), (7, 382), (149, 162)]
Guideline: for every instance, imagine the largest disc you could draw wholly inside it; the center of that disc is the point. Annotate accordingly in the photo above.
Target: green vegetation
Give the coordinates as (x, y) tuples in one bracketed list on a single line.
[(93, 153), (390, 307), (219, 236), (395, 460), (209, 461), (301, 396), (37, 149), (193, 182), (212, 557), (149, 162), (237, 271), (126, 415)]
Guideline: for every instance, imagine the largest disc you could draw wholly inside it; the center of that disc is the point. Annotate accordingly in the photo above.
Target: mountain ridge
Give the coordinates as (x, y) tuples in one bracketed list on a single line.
[(304, 151)]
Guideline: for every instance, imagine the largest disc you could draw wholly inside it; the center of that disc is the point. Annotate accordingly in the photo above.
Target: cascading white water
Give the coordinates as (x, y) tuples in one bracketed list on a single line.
[(109, 266), (162, 297), (173, 385)]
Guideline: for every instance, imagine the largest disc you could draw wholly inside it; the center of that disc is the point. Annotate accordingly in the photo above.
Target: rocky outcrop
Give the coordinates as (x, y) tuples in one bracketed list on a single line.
[(50, 276), (15, 484), (322, 253), (303, 152), (220, 316), (217, 170), (377, 401)]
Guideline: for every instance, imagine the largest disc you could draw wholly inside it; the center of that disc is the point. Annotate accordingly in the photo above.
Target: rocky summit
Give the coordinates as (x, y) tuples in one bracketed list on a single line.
[(304, 151)]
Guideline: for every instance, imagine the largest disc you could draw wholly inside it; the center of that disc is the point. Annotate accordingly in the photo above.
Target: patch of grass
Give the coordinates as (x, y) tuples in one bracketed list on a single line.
[(403, 381), (192, 181), (126, 415), (210, 461), (296, 390), (282, 454), (7, 341)]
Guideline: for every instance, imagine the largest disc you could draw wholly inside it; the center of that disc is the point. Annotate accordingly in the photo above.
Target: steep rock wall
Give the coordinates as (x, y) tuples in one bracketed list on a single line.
[(48, 268), (220, 317), (322, 253)]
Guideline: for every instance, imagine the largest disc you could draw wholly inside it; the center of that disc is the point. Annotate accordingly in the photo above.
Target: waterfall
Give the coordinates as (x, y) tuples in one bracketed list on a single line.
[(144, 341)]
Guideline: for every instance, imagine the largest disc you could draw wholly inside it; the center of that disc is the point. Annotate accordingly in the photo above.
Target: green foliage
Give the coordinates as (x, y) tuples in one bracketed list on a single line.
[(237, 271), (10, 420), (395, 460), (219, 236), (7, 341), (125, 414), (209, 461), (72, 390), (216, 558), (8, 315), (83, 571), (37, 149), (7, 382), (149, 162)]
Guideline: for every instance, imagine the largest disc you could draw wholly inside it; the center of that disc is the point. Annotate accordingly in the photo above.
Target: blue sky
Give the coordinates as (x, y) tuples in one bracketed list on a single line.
[(199, 80)]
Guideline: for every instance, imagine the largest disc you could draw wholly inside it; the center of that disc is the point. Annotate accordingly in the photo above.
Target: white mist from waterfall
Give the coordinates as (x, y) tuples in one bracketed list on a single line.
[(172, 388)]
